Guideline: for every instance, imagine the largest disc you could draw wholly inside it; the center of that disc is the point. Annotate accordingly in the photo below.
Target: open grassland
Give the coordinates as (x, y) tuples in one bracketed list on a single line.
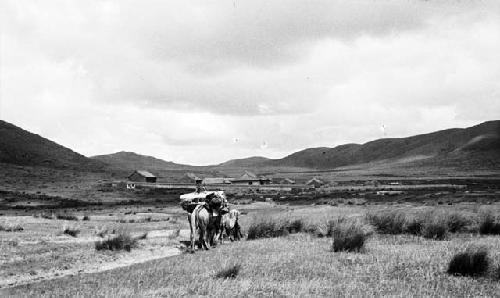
[(300, 262), (52, 244), (298, 265)]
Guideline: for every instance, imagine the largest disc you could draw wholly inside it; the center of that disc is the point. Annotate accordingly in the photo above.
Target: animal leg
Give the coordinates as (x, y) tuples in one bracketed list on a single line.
[(191, 219)]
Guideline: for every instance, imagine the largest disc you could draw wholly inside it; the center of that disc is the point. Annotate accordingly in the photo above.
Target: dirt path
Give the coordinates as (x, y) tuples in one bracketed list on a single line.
[(157, 245)]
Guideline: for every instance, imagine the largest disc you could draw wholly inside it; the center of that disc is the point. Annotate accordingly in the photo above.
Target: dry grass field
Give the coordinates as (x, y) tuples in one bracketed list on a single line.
[(41, 260)]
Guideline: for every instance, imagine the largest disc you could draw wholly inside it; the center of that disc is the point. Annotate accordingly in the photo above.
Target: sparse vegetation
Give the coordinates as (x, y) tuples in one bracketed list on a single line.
[(299, 265), (66, 216), (11, 228), (122, 241), (473, 262), (229, 272), (102, 232), (175, 234)]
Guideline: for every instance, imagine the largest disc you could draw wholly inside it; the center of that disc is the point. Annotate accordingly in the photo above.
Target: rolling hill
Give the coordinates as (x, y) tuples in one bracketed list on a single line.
[(478, 145), (130, 161), (21, 147), (254, 161), (467, 148)]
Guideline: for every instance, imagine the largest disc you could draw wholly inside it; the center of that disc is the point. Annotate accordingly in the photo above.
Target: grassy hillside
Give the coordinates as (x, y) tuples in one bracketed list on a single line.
[(478, 145), (253, 161), (21, 147), (132, 161)]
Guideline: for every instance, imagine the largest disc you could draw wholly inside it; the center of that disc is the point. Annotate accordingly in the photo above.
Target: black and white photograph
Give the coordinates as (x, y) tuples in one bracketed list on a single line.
[(250, 148)]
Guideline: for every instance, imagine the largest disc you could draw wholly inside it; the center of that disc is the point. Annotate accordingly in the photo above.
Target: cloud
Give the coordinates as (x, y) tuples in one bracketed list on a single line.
[(182, 80)]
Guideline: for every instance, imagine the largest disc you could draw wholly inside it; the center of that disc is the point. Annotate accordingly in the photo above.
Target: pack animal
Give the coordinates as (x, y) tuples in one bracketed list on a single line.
[(230, 226)]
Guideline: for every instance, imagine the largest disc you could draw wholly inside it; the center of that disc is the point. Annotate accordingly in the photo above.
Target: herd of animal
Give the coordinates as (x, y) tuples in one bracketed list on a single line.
[(210, 217)]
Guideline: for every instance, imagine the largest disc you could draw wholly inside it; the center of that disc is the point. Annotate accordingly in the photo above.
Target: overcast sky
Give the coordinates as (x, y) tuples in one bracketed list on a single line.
[(201, 82)]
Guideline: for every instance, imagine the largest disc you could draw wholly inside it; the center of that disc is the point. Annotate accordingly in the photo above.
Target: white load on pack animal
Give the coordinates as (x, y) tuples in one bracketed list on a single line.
[(215, 199), (205, 209)]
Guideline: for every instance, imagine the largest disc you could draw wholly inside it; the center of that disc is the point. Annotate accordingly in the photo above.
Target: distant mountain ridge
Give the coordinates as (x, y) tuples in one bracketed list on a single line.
[(480, 142), (21, 147), (133, 161), (470, 148)]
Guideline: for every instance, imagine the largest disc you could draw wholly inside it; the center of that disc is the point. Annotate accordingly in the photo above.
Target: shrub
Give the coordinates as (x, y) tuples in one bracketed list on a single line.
[(488, 225), (473, 262), (71, 231), (229, 272), (349, 236), (66, 216), (388, 222), (86, 217), (122, 241)]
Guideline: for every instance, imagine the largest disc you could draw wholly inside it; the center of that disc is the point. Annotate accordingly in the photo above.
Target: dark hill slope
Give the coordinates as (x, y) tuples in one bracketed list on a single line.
[(481, 143), (132, 161), (254, 161), (21, 147)]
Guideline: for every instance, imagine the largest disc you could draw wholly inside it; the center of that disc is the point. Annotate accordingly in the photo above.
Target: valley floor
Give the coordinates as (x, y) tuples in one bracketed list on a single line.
[(296, 265)]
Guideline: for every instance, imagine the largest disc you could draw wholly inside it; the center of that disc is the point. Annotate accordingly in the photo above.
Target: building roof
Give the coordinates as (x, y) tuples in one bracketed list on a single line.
[(315, 181), (144, 174), (216, 181), (287, 180), (248, 176)]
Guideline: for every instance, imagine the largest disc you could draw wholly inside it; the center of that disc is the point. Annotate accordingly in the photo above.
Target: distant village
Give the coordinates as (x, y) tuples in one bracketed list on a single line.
[(246, 179), (250, 181)]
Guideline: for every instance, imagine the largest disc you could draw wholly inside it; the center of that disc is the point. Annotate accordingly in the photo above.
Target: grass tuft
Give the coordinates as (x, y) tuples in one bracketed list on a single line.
[(388, 222), (472, 262), (435, 228), (66, 216), (488, 225), (458, 222), (266, 229), (295, 226), (229, 272), (349, 236), (175, 234), (122, 241), (142, 236), (73, 232)]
